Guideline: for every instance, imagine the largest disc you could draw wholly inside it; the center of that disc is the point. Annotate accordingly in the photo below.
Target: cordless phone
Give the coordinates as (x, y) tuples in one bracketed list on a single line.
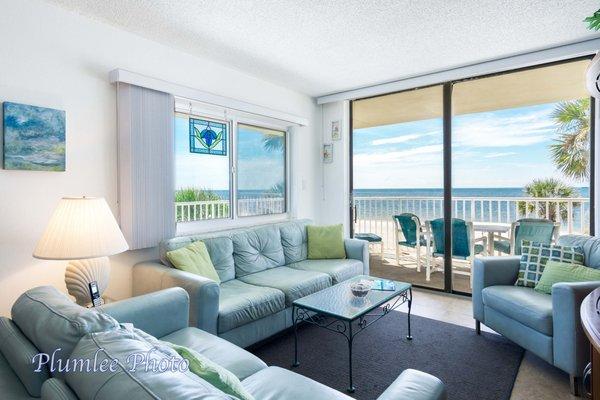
[(95, 294)]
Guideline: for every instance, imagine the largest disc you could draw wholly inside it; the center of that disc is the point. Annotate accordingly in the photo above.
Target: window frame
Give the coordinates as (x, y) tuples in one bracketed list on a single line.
[(234, 119)]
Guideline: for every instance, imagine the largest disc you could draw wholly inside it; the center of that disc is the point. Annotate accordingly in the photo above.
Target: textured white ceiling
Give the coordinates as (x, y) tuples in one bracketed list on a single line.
[(320, 46)]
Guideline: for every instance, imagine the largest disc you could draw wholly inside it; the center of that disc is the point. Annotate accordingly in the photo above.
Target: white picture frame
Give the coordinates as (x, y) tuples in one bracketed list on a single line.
[(336, 130)]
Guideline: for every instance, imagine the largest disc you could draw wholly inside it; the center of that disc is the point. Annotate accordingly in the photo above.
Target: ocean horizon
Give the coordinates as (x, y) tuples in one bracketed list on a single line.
[(582, 191)]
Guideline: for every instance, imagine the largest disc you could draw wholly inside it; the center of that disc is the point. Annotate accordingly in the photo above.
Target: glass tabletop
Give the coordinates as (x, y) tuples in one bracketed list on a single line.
[(338, 301)]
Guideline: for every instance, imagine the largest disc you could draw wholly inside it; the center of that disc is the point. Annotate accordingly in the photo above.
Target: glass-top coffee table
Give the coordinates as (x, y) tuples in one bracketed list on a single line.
[(338, 310)]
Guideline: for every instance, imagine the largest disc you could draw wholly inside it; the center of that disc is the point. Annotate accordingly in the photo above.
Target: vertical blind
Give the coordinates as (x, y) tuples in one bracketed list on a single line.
[(146, 165)]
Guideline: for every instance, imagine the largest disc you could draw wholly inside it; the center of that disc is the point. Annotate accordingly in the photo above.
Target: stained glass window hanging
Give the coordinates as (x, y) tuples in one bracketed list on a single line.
[(208, 137)]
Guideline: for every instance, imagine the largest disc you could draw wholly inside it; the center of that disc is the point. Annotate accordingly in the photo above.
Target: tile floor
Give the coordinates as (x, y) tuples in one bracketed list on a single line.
[(536, 380)]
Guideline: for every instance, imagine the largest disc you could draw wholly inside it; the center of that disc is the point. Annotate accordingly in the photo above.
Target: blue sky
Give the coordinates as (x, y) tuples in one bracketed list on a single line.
[(258, 169), (504, 148)]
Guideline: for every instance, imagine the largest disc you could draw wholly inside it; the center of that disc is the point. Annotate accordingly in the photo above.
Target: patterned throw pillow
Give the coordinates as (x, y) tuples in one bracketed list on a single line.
[(534, 257)]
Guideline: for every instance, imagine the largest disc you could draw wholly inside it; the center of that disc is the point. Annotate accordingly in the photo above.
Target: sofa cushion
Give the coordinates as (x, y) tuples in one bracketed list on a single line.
[(10, 385), (52, 321), (294, 240), (534, 257), (339, 270), (294, 283), (224, 353), (522, 304), (219, 246), (241, 303), (20, 352), (276, 383), (135, 374), (325, 241), (256, 250), (590, 245), (194, 258), (415, 385)]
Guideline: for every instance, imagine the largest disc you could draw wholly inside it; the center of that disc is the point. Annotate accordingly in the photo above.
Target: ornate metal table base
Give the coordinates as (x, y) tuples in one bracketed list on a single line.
[(347, 328)]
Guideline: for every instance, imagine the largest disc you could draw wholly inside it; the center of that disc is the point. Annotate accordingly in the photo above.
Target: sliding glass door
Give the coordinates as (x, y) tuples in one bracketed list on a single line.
[(493, 152), (398, 183)]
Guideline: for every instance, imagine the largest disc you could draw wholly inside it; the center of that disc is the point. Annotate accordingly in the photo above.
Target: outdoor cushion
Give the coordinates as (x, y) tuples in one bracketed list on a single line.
[(51, 320), (240, 303), (294, 283), (590, 245), (194, 258), (522, 304), (131, 381), (502, 245), (226, 354), (339, 270), (257, 249), (294, 240), (276, 383)]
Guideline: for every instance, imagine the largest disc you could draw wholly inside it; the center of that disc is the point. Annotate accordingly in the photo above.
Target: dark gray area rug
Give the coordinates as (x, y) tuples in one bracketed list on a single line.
[(472, 366)]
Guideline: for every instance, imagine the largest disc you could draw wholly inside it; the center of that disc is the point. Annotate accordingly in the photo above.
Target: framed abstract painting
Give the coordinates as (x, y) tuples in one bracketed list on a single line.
[(34, 138)]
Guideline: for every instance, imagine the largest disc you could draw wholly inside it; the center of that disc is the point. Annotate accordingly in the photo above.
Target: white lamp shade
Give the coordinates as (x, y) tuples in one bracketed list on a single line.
[(80, 228)]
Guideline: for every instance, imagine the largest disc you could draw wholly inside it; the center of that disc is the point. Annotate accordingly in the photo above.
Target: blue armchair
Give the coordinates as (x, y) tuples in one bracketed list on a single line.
[(547, 325)]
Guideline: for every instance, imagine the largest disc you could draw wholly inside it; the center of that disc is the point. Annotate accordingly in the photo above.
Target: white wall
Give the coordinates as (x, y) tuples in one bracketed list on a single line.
[(54, 58), (334, 200)]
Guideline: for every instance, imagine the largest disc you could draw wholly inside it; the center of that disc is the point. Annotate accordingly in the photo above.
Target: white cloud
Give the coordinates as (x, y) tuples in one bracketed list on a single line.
[(496, 155), (404, 138), (403, 156)]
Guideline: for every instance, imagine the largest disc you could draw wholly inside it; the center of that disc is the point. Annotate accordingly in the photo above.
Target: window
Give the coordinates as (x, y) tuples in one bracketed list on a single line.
[(202, 174), (222, 162), (260, 171)]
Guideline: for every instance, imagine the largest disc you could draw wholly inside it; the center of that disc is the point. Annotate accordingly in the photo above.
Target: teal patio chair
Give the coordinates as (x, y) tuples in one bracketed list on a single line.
[(464, 246), (532, 229), (410, 227)]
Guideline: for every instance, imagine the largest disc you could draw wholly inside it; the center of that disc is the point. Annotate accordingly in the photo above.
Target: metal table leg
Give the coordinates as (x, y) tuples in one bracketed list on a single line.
[(295, 320), (351, 388), (409, 336)]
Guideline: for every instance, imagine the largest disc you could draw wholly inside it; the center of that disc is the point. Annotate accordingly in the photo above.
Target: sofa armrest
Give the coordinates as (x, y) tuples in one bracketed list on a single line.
[(415, 385), (158, 313), (358, 250), (492, 271), (150, 276), (55, 389), (571, 346)]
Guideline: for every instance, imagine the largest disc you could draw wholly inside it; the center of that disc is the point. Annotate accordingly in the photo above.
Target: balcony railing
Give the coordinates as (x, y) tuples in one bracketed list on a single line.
[(214, 209), (374, 214)]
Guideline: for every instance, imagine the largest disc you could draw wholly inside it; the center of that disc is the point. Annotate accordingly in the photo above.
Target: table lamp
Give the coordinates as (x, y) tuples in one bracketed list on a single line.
[(83, 230)]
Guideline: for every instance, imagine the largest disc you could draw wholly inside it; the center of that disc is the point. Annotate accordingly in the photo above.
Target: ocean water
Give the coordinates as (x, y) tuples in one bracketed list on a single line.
[(458, 192)]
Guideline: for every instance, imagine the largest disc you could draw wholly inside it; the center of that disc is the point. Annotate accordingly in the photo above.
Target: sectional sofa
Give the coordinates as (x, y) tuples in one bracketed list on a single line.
[(44, 320), (262, 270)]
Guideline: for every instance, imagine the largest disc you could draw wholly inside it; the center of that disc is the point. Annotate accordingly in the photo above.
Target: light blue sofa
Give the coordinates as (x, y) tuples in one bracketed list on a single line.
[(262, 269), (547, 325), (43, 320)]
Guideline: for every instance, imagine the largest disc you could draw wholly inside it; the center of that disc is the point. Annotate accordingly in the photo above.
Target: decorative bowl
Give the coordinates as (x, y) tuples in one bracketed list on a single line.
[(360, 289)]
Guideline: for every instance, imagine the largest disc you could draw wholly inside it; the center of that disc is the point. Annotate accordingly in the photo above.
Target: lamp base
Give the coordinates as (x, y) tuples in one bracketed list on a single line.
[(80, 273)]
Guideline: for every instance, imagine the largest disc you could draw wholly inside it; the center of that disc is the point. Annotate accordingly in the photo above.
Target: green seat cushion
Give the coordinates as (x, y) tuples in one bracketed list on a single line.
[(522, 304), (194, 258), (556, 272), (502, 246), (241, 303), (212, 373), (325, 242), (534, 257), (294, 283), (339, 270)]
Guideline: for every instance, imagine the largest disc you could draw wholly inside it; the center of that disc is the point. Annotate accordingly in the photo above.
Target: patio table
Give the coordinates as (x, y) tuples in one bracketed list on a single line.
[(491, 228)]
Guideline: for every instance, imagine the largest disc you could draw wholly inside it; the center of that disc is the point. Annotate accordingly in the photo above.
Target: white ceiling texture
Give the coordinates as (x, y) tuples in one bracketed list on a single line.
[(323, 46)]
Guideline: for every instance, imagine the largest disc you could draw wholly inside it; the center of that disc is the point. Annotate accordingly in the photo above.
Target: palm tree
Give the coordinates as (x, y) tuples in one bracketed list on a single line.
[(571, 151), (273, 142), (544, 188)]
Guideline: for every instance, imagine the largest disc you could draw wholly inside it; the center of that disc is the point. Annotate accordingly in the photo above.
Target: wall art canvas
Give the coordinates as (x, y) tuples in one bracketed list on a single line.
[(34, 138), (336, 132), (328, 153)]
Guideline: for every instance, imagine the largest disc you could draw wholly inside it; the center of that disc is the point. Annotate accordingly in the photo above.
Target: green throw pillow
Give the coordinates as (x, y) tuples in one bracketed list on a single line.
[(565, 272), (325, 242), (534, 257), (194, 258), (213, 373)]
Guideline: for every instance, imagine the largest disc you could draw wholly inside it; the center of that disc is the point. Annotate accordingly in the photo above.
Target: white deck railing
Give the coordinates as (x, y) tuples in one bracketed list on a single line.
[(202, 210), (374, 214)]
